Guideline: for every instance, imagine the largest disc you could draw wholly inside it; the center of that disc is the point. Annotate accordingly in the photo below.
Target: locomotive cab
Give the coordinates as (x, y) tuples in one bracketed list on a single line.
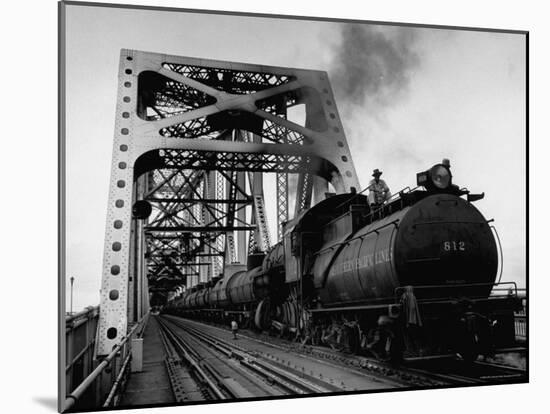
[(335, 217)]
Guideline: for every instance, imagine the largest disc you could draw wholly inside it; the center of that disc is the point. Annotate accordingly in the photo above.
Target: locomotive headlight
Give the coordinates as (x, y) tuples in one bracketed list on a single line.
[(440, 176)]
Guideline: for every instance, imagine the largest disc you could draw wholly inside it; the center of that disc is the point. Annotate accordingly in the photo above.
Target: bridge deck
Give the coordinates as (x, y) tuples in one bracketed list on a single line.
[(151, 385)]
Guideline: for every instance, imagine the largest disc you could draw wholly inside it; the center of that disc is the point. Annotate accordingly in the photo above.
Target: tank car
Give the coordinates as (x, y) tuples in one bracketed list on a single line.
[(411, 277)]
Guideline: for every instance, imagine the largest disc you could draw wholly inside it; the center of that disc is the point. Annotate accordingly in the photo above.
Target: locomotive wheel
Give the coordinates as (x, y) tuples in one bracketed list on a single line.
[(283, 313), (302, 319), (262, 316), (291, 315)]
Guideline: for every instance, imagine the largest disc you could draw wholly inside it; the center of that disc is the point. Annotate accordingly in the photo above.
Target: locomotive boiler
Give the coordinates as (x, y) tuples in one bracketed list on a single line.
[(411, 277)]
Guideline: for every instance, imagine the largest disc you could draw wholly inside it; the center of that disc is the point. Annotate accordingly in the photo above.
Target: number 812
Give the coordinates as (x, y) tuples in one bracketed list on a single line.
[(454, 246)]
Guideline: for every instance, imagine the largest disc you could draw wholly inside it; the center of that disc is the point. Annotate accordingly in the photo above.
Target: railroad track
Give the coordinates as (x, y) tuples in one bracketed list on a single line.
[(370, 369), (428, 372), (458, 372), (180, 356), (421, 373), (227, 372), (364, 371)]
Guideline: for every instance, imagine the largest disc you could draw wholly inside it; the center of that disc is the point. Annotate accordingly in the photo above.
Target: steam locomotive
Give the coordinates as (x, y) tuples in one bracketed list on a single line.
[(412, 277)]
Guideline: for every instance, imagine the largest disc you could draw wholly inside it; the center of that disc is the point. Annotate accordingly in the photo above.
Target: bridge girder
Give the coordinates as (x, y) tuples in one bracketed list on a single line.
[(180, 114)]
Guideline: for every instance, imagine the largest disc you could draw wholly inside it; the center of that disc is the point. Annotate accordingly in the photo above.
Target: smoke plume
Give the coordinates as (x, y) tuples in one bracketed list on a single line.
[(371, 66)]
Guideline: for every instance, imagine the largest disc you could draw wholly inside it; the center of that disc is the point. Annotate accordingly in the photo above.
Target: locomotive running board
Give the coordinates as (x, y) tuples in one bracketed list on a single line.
[(352, 308)]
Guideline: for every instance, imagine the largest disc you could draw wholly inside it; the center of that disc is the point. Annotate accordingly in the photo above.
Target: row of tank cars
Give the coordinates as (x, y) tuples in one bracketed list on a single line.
[(415, 276)]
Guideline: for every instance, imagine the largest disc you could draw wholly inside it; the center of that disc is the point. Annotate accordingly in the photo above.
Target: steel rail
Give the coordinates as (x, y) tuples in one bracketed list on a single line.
[(183, 351), (358, 365), (173, 362), (243, 360), (403, 375), (187, 349), (502, 374), (283, 378), (232, 391)]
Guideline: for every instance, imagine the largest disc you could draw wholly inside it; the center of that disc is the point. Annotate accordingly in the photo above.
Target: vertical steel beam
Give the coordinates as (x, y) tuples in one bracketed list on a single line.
[(220, 241), (303, 193), (282, 203), (137, 257), (215, 215), (260, 238), (145, 298), (240, 215), (281, 182), (230, 250), (205, 219), (132, 267), (113, 320), (143, 290)]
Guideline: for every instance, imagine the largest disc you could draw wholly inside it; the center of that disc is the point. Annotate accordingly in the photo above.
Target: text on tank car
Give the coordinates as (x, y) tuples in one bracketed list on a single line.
[(363, 262)]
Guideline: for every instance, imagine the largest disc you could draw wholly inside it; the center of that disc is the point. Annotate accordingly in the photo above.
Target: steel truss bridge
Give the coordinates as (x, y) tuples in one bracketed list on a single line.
[(193, 141)]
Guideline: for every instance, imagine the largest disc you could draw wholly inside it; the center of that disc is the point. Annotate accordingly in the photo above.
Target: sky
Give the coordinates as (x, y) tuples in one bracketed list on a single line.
[(407, 98)]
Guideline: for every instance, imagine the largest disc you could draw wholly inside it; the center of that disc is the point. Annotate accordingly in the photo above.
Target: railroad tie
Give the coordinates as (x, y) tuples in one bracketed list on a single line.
[(175, 380)]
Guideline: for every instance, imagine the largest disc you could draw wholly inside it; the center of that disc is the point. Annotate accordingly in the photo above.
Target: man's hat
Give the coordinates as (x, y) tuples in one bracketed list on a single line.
[(446, 162), (376, 173)]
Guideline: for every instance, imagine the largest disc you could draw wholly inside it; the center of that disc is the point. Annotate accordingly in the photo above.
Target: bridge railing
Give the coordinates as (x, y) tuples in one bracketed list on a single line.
[(95, 383), (520, 321), (80, 331)]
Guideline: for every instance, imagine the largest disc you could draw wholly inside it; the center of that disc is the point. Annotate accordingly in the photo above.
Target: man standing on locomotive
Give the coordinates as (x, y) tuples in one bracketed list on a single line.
[(379, 191)]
